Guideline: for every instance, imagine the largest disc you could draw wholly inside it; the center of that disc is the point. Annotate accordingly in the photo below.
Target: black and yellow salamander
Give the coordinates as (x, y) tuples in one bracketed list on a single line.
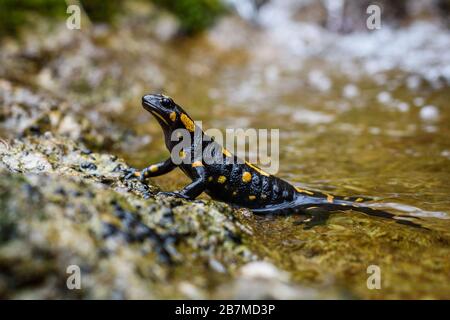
[(238, 183)]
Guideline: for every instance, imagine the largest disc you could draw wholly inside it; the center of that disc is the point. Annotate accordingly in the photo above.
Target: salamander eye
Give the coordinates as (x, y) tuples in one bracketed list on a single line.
[(166, 102)]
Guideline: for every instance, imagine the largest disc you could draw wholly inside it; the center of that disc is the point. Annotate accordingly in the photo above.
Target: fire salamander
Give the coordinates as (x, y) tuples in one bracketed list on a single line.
[(240, 184)]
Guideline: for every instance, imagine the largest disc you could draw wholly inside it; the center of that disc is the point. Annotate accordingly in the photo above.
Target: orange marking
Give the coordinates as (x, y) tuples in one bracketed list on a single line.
[(246, 176), (173, 116), (226, 152), (257, 169), (330, 198), (197, 164), (221, 179), (304, 191), (188, 123)]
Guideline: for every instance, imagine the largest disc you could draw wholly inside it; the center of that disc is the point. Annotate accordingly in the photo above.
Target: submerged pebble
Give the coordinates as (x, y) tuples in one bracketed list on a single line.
[(350, 91), (418, 101), (402, 106), (384, 97), (429, 113)]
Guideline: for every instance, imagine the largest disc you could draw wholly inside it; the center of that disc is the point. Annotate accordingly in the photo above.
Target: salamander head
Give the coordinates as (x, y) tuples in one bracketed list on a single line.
[(169, 115)]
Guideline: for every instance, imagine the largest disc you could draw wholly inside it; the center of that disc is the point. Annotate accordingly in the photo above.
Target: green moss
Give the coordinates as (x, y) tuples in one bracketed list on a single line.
[(101, 11), (194, 15), (16, 13)]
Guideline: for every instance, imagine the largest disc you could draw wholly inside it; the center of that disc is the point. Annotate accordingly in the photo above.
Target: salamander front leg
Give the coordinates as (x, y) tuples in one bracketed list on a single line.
[(154, 170), (192, 190)]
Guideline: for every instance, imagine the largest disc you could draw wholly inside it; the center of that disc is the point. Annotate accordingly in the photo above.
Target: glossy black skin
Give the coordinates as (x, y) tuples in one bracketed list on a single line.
[(268, 190), (263, 193)]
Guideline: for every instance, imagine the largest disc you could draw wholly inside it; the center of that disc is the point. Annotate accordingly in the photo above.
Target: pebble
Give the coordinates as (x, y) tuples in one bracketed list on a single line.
[(384, 97), (419, 101), (319, 80), (429, 113), (403, 106), (413, 82), (216, 266), (350, 91), (262, 269)]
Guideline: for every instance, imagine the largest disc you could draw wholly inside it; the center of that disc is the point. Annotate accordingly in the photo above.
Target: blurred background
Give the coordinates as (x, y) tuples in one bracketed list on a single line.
[(360, 112)]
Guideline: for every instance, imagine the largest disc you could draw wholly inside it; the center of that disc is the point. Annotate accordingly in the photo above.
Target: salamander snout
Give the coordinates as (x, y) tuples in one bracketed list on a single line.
[(157, 101)]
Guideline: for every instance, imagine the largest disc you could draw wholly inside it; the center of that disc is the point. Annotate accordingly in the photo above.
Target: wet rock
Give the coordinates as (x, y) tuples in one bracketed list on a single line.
[(25, 112), (57, 210)]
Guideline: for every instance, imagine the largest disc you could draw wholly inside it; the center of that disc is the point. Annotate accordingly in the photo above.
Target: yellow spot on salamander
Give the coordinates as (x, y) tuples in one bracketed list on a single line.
[(197, 164), (153, 168), (234, 193), (226, 152), (221, 179), (257, 169), (251, 197), (330, 198), (359, 200), (210, 179), (246, 176), (304, 191), (182, 154), (173, 116), (137, 173), (188, 123)]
